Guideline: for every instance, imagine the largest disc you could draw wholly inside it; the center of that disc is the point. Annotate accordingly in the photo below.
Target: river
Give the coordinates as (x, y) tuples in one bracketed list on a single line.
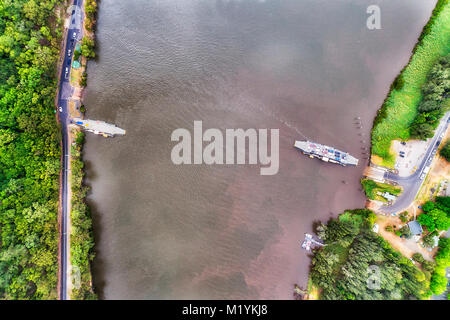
[(307, 67)]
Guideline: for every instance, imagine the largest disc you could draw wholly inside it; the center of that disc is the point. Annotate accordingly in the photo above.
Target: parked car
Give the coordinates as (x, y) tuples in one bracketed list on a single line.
[(401, 155), (422, 176), (403, 143)]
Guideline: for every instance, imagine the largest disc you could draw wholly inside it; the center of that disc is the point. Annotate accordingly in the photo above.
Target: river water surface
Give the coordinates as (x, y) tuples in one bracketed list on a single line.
[(302, 66)]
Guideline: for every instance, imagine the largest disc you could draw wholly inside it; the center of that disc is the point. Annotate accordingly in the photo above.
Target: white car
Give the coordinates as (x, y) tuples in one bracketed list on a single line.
[(69, 53), (422, 176), (74, 35), (60, 109)]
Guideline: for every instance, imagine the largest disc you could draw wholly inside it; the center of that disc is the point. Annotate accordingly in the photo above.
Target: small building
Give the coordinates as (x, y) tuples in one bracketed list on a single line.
[(415, 228)]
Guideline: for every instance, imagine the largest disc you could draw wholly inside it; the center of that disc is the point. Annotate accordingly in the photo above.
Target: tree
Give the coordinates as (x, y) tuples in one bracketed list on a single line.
[(445, 151), (87, 48), (427, 221), (428, 240), (428, 206), (428, 266), (399, 82), (418, 257), (405, 231)]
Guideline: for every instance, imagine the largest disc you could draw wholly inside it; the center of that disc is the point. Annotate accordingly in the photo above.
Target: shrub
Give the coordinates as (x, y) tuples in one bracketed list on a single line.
[(445, 151), (418, 257)]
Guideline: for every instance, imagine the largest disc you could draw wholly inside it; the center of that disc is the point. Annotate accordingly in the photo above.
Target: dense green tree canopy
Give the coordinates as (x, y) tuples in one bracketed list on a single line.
[(356, 264), (432, 107), (29, 149), (436, 216)]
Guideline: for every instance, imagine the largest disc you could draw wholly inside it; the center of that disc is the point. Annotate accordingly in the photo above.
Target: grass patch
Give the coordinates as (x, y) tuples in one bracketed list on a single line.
[(400, 107), (75, 77), (371, 188)]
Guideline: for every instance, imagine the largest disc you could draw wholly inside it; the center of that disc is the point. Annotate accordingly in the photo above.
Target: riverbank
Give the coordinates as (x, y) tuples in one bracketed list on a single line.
[(400, 107), (333, 263), (81, 235)]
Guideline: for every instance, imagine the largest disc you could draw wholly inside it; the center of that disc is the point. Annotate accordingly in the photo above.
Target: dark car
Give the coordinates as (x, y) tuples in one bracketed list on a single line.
[(403, 143), (402, 156)]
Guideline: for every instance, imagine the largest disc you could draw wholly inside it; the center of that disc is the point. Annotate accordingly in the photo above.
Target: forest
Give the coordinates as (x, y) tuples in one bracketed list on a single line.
[(436, 215), (434, 102), (357, 264), (30, 37)]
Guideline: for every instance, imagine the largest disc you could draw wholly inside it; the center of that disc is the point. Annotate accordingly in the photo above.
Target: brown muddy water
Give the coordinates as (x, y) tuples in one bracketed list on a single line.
[(225, 232)]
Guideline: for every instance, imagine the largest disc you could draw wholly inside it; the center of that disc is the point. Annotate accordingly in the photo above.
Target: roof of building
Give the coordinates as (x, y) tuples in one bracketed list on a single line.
[(76, 64), (415, 227)]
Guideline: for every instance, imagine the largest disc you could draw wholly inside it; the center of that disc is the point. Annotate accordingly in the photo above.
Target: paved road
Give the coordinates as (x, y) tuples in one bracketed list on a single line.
[(65, 92), (411, 184)]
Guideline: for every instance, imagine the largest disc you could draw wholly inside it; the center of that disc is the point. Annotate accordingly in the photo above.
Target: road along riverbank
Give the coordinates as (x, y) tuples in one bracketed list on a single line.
[(76, 239), (82, 239)]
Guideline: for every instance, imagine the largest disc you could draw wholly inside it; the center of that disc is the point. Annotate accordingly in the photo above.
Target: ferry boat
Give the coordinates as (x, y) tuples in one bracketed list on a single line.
[(325, 153)]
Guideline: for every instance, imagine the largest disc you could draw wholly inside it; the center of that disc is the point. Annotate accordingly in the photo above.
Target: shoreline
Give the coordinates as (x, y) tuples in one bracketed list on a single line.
[(81, 235), (313, 290), (405, 91)]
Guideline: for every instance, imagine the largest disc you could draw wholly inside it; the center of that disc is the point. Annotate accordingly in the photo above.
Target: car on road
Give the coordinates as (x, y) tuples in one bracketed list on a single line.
[(69, 53), (60, 109), (67, 72), (74, 35), (422, 176)]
